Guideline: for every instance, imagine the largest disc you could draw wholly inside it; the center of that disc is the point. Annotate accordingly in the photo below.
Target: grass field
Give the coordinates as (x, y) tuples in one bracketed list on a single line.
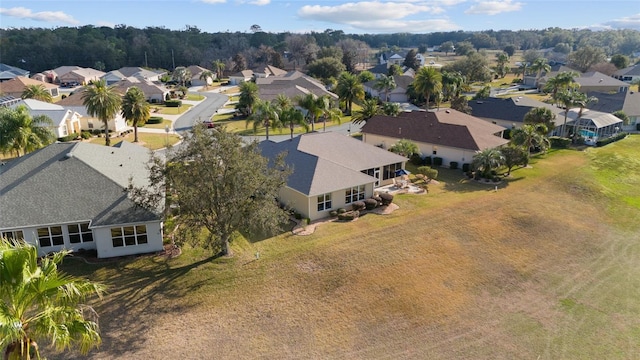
[(149, 140), (546, 267)]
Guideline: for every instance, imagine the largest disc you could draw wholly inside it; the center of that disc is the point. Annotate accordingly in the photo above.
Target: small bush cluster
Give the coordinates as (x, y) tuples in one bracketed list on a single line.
[(173, 103), (437, 161), (371, 204), (453, 165), (85, 135), (155, 120), (427, 161), (69, 137), (428, 172), (416, 159), (349, 215), (611, 139), (358, 206), (386, 199), (558, 142)]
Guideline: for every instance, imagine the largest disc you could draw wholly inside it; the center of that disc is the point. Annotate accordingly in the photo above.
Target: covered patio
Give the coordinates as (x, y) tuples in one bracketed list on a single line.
[(594, 125)]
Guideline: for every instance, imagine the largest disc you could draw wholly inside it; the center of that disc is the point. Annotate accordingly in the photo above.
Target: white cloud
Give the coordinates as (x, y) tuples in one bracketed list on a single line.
[(393, 26), (48, 16), (628, 22), (363, 11), (214, 1), (493, 7), (260, 2)]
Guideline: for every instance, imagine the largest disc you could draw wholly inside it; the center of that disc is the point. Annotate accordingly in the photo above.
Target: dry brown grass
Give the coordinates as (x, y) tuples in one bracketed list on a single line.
[(537, 270)]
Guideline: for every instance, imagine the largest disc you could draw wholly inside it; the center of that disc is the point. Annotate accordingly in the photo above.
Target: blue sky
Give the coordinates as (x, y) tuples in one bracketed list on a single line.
[(414, 16)]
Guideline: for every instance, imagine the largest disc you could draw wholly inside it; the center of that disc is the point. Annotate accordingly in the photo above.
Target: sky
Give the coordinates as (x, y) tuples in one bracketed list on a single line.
[(302, 16)]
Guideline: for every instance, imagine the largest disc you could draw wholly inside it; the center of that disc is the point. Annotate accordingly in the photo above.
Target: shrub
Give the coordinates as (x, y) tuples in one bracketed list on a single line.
[(349, 215), (64, 96), (167, 97), (307, 221), (428, 172), (298, 216), (333, 213), (85, 135), (427, 161), (611, 139), (358, 206), (558, 142), (173, 103), (466, 167), (69, 137), (342, 211), (370, 204), (377, 198), (453, 165), (437, 161), (416, 159), (96, 131), (386, 198), (155, 120)]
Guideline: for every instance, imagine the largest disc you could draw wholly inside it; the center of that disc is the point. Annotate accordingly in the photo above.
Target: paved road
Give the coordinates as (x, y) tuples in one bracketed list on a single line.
[(201, 112)]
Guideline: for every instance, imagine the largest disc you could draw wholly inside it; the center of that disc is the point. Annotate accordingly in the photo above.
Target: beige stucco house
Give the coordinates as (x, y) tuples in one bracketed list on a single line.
[(445, 133), (331, 171)]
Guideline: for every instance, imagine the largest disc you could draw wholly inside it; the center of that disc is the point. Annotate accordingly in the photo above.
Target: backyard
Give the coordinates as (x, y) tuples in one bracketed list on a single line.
[(546, 267)]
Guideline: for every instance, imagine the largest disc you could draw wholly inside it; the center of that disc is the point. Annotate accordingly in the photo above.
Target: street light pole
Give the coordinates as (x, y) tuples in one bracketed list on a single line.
[(166, 129)]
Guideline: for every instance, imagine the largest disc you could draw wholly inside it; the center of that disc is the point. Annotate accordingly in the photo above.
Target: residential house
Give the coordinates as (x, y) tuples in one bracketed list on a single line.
[(65, 121), (196, 72), (331, 171), (16, 86), (510, 112), (8, 72), (292, 83), (114, 76), (445, 133), (53, 76), (589, 81), (81, 76), (75, 103), (628, 102), (71, 196), (240, 77), (265, 71), (593, 125), (628, 74), (399, 94), (153, 92)]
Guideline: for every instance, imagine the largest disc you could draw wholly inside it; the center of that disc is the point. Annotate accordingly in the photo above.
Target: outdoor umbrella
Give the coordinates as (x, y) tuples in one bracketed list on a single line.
[(402, 172)]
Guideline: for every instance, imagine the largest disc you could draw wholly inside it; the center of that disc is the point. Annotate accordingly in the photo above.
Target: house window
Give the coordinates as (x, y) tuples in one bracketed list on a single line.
[(80, 233), (90, 124), (129, 235), (389, 171), (354, 194), (50, 236), (324, 202), (13, 235), (65, 132)]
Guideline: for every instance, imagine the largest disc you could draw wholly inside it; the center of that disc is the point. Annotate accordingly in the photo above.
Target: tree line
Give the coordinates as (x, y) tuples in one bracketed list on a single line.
[(105, 48)]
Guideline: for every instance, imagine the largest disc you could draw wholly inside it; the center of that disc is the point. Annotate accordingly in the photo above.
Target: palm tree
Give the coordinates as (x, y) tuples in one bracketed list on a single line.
[(264, 114), (582, 101), (37, 92), (102, 102), (218, 67), (39, 302), (540, 65), (428, 80), (541, 115), (391, 109), (368, 110), (248, 97), (502, 66), (205, 76), (385, 83), (523, 69), (531, 137), (327, 111), (405, 148), (310, 104), (135, 109), (292, 117), (19, 131), (349, 89), (282, 101), (562, 81), (487, 160), (182, 75), (452, 84), (567, 99)]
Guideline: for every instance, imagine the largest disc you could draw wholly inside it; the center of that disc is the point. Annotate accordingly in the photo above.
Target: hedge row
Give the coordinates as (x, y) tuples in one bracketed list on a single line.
[(173, 103), (611, 139), (155, 120)]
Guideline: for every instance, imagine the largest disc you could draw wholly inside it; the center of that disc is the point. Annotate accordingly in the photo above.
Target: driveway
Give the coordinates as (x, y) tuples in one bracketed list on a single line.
[(201, 112)]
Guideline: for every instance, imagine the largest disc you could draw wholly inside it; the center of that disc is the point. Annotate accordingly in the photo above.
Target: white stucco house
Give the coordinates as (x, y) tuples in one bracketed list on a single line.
[(71, 196), (74, 102), (65, 121), (331, 171)]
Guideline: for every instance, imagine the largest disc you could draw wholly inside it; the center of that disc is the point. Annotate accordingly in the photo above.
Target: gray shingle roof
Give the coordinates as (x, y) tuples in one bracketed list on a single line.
[(510, 109), (55, 185), (446, 127), (325, 162)]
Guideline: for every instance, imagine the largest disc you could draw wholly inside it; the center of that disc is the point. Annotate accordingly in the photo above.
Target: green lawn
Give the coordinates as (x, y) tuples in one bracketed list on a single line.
[(194, 97), (148, 140), (162, 125), (171, 110), (544, 268)]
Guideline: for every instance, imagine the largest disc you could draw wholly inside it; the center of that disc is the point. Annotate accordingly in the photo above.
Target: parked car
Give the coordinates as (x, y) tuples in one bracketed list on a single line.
[(209, 124)]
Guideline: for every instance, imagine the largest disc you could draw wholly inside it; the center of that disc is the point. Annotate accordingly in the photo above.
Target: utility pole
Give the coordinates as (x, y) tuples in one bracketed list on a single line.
[(146, 64), (173, 60)]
